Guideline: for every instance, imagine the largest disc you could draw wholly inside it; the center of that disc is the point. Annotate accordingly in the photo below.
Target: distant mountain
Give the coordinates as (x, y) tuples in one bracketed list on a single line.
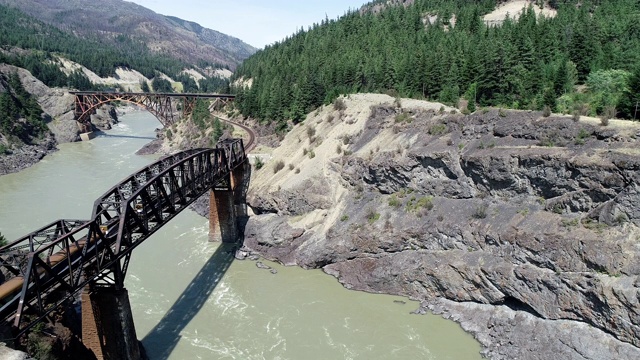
[(172, 36)]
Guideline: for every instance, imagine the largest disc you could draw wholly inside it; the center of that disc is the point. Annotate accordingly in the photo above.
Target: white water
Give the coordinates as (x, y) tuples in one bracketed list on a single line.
[(191, 301)]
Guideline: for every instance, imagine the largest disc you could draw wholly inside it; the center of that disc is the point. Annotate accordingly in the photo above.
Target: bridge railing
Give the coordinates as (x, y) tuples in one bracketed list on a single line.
[(50, 265)]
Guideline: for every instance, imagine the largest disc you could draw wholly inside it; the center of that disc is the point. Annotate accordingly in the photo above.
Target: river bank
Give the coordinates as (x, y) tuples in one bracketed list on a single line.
[(23, 157)]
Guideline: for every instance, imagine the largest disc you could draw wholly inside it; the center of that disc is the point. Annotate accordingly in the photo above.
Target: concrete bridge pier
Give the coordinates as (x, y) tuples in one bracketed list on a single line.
[(107, 324)]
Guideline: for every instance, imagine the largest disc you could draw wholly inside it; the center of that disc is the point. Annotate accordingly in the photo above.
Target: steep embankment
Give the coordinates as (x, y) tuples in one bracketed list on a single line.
[(522, 228), (21, 152)]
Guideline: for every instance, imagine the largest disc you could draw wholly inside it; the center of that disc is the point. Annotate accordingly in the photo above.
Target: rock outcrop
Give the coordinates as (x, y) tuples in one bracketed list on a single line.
[(57, 105), (519, 227)]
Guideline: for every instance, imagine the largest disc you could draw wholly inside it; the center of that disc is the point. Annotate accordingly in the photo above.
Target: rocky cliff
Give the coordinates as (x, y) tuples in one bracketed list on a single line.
[(57, 107), (523, 228)]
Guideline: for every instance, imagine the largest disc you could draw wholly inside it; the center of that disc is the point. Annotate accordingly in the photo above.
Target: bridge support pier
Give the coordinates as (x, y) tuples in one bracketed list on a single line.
[(222, 217), (226, 206), (107, 324)]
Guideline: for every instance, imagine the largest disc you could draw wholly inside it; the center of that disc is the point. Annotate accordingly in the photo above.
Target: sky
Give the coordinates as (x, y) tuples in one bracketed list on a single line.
[(256, 22)]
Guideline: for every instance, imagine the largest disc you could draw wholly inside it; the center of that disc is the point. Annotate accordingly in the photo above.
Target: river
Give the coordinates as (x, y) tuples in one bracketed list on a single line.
[(190, 300)]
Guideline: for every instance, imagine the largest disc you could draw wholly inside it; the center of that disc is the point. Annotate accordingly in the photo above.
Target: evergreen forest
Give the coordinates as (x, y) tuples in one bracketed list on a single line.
[(586, 59), (37, 44), (20, 113)]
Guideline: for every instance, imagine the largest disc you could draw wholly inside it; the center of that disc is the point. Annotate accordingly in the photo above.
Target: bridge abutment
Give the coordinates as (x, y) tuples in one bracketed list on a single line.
[(107, 324)]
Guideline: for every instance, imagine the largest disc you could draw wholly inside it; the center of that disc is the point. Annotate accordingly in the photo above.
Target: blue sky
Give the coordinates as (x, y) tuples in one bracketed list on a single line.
[(256, 22)]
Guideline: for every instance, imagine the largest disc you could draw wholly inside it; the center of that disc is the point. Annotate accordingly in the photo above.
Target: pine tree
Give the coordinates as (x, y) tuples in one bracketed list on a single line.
[(629, 104)]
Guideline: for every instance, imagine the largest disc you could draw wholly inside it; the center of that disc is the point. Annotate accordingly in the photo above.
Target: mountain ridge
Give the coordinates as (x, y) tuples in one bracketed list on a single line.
[(162, 34)]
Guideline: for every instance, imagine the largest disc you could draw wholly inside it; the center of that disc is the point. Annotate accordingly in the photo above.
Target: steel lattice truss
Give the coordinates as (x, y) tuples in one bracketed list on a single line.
[(49, 266), (161, 105)]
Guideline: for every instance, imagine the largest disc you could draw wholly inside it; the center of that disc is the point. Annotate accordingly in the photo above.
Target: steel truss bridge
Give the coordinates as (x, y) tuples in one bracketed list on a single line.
[(47, 267), (163, 106)]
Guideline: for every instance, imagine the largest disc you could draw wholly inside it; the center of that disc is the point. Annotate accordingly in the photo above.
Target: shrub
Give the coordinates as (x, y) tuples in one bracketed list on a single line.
[(621, 219), (394, 201), (372, 216), (604, 121), (330, 118), (546, 111), (438, 129), (344, 218), (338, 149), (418, 204), (311, 132), (339, 104), (569, 222), (297, 171), (576, 116), (311, 154), (582, 135), (403, 117), (291, 167), (480, 212), (258, 163), (502, 113)]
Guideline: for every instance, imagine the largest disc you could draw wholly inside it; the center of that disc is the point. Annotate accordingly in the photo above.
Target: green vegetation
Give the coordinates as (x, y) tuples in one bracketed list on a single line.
[(527, 63), (258, 163), (344, 218), (594, 225), (438, 129), (582, 136), (3, 240), (569, 222), (394, 201), (415, 204), (403, 117), (372, 216), (17, 105)]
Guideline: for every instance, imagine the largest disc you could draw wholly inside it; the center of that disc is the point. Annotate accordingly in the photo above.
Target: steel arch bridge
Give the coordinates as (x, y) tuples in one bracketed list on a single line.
[(47, 267), (161, 105)]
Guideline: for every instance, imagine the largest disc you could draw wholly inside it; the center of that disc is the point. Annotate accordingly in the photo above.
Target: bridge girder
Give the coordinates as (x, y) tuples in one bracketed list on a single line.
[(161, 105), (55, 262)]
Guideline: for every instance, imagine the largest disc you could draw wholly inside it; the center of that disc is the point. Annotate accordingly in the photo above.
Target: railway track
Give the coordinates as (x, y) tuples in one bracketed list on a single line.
[(251, 141)]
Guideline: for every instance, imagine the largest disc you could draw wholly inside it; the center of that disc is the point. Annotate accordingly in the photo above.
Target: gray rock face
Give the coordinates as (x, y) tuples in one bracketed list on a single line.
[(524, 229), (104, 117), (22, 157)]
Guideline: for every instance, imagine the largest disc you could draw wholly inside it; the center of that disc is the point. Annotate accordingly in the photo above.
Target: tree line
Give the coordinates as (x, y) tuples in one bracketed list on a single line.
[(442, 50)]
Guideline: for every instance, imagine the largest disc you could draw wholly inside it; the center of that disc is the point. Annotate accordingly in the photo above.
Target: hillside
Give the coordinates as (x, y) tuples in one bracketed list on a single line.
[(111, 19), (523, 228), (454, 50)]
